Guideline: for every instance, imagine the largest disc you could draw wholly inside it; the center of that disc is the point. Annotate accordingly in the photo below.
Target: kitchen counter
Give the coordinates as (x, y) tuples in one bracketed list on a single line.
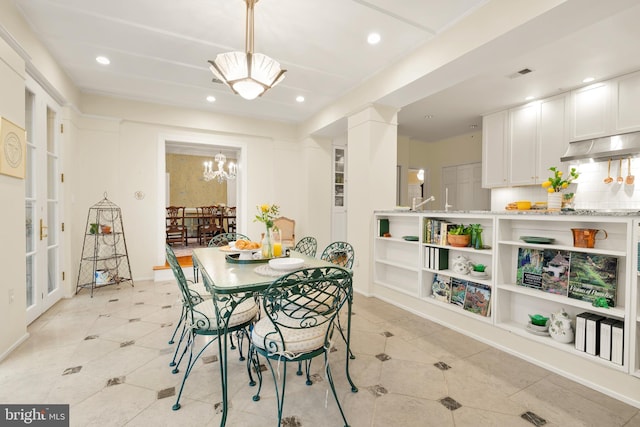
[(577, 212)]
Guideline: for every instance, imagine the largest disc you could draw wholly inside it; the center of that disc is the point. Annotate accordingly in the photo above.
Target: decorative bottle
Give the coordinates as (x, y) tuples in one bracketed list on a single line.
[(267, 245)]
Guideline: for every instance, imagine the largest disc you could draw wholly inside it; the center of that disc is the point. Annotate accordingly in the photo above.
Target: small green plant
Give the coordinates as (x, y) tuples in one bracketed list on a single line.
[(479, 267), (460, 229)]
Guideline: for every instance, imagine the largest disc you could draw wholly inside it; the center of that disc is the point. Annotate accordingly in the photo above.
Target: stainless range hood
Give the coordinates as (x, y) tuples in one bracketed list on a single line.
[(610, 147)]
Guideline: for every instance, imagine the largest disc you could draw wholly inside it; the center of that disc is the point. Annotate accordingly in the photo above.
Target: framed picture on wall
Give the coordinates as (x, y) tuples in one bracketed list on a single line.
[(12, 149)]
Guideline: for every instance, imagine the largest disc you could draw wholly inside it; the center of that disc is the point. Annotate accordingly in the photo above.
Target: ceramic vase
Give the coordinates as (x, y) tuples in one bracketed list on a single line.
[(554, 201)]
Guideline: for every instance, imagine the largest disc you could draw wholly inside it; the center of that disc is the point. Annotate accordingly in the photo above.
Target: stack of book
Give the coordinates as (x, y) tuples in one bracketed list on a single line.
[(471, 296), (600, 336), (436, 258)]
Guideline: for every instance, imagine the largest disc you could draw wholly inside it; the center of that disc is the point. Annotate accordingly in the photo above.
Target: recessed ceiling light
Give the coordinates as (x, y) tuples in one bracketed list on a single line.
[(103, 60), (211, 98), (373, 38), (587, 79), (300, 98), (529, 98)]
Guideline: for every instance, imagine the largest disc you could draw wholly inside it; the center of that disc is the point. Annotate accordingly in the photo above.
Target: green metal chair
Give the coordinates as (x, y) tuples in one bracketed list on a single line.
[(307, 245), (339, 253), (203, 319), (342, 254), (223, 239), (218, 240), (298, 320)]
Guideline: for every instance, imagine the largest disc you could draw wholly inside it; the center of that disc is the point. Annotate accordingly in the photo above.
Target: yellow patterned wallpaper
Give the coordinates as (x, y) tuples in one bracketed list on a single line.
[(187, 187)]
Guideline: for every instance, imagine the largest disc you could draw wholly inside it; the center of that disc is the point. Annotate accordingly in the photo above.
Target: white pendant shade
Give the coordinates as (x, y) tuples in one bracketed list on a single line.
[(248, 74)]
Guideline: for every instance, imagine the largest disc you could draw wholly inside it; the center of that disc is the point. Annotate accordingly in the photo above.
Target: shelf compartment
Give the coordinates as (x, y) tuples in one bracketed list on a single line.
[(397, 277), (617, 312), (398, 252), (485, 281), (519, 329)]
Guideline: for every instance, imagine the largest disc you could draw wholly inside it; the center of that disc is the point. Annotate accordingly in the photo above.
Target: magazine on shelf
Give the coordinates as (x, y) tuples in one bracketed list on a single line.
[(477, 298), (547, 270), (458, 291), (441, 287), (593, 276)]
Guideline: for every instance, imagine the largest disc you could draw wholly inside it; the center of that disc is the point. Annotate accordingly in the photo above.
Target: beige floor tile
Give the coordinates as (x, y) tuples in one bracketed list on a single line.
[(400, 410), (492, 387), (567, 408), (415, 379)]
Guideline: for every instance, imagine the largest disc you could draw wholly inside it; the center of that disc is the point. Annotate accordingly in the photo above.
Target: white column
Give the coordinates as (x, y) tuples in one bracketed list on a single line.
[(371, 181)]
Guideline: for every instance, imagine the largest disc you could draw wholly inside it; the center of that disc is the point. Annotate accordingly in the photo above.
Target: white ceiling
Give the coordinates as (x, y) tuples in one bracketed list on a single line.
[(159, 51)]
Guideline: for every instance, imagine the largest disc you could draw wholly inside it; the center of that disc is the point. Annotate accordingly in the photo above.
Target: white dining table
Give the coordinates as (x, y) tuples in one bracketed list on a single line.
[(226, 276)]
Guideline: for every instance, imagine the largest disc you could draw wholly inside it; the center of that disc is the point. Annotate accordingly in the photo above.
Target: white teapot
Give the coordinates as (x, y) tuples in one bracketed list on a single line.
[(560, 327), (461, 264)]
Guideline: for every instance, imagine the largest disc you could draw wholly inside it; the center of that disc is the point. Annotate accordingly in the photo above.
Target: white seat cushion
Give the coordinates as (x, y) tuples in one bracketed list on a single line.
[(200, 288), (243, 313), (299, 340)]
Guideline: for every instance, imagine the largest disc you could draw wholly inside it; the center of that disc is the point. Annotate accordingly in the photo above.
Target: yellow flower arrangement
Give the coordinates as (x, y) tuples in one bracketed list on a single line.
[(555, 183), (266, 214)]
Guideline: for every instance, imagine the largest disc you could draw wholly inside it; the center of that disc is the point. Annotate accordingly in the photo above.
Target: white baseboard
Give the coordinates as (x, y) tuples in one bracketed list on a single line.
[(14, 346)]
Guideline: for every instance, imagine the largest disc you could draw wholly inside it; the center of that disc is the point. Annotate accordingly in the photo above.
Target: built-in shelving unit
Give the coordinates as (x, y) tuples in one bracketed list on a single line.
[(404, 275)]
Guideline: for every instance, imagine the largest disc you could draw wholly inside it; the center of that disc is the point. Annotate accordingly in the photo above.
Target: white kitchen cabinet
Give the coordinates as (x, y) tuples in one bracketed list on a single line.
[(589, 113), (495, 166), (552, 141), (523, 143), (404, 277), (626, 107)]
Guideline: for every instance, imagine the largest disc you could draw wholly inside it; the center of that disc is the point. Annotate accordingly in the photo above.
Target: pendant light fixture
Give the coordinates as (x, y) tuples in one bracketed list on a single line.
[(248, 74)]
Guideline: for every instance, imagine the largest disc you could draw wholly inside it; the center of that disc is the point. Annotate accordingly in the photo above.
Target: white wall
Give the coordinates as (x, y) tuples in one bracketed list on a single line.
[(434, 156), (12, 226)]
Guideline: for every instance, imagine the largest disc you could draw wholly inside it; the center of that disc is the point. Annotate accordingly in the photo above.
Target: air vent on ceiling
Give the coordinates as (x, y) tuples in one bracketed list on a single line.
[(520, 73), (218, 81)]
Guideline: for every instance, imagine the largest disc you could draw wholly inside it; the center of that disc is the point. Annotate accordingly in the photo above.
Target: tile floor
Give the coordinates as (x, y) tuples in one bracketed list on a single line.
[(108, 358)]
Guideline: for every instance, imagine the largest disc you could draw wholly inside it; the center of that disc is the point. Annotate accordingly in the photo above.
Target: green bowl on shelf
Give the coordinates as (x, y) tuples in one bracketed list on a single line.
[(538, 319), (410, 238)]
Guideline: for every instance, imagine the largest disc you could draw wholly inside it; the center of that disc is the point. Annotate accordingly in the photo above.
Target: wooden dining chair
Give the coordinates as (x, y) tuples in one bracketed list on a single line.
[(297, 325), (209, 223), (287, 229), (203, 318), (176, 229)]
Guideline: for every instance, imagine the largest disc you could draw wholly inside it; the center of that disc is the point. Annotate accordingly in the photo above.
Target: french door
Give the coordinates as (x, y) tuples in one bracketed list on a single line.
[(42, 201)]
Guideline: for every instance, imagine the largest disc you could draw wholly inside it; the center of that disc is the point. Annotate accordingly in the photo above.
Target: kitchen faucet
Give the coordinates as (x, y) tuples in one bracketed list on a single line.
[(414, 206)]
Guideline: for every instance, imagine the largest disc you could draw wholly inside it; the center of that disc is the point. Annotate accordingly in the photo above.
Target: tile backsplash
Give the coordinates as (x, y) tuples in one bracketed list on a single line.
[(590, 189)]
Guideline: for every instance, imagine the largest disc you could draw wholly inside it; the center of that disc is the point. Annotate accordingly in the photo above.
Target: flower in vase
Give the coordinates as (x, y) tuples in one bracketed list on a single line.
[(266, 214), (557, 183)]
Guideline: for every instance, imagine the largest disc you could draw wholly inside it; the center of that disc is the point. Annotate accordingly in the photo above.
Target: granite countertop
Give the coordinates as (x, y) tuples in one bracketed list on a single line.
[(577, 212)]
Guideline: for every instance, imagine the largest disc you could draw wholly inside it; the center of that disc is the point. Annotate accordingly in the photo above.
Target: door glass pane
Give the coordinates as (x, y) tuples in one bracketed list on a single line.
[(29, 211), (51, 140), (52, 221), (28, 125), (30, 282), (52, 173), (30, 177), (52, 269)]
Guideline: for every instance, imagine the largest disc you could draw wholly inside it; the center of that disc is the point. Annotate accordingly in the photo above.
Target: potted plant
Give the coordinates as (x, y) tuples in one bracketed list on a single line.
[(459, 236)]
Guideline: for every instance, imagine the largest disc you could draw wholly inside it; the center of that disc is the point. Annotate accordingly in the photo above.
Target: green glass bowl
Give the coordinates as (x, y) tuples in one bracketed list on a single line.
[(538, 319)]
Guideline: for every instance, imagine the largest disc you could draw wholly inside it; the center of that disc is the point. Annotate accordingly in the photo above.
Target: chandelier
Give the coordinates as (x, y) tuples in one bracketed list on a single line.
[(220, 174), (248, 74)]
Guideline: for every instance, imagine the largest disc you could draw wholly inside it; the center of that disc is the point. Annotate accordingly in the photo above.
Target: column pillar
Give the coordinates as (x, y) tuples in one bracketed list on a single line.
[(371, 181)]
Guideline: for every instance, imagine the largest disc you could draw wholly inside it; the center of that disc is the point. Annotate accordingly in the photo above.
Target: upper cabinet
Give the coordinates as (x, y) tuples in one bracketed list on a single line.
[(589, 113), (627, 106), (494, 150), (605, 109), (521, 144)]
